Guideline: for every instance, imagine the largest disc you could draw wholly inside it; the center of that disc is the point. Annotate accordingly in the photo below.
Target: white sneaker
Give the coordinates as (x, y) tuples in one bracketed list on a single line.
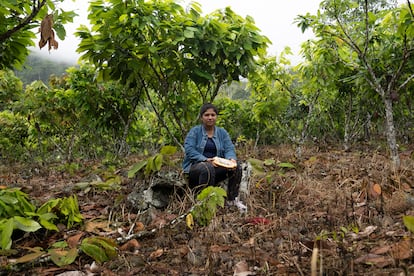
[(236, 202)]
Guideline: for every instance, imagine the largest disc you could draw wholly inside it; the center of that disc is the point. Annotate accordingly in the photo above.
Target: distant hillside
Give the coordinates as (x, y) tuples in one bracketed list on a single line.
[(40, 68)]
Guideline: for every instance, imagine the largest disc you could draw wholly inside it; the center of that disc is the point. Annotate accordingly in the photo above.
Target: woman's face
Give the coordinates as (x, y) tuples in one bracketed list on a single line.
[(209, 117)]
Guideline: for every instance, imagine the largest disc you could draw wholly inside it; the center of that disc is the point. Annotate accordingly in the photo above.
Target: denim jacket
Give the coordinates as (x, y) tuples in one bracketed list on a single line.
[(195, 143)]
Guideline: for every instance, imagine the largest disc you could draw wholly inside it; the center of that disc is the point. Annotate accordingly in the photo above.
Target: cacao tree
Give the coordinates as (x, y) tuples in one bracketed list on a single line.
[(272, 89), (375, 41), (175, 59)]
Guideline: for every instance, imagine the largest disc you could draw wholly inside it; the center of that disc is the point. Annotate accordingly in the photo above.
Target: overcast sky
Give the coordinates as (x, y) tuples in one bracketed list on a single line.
[(273, 17)]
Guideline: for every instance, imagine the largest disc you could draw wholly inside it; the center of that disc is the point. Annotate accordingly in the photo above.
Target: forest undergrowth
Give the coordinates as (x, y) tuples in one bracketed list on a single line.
[(333, 212)]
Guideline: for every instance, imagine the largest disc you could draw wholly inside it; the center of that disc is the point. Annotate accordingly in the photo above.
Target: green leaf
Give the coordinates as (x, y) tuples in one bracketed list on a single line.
[(158, 162), (257, 166), (6, 231), (286, 165), (48, 225), (62, 257), (8, 199), (203, 74), (269, 162), (95, 252), (101, 249), (48, 206), (25, 224), (123, 18), (60, 244), (168, 150), (409, 222), (60, 31), (209, 198), (136, 168), (82, 185)]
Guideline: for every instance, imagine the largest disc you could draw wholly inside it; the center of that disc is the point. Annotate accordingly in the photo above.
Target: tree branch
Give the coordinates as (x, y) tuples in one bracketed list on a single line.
[(409, 7), (406, 81), (159, 115), (6, 35)]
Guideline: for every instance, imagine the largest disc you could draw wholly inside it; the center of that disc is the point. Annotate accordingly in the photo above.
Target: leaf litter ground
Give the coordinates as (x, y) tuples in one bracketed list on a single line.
[(335, 213)]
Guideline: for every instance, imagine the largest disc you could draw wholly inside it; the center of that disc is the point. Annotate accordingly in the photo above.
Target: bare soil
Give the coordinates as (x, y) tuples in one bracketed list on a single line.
[(334, 213)]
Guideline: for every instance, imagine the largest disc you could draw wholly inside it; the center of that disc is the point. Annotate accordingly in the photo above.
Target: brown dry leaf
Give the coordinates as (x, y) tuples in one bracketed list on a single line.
[(183, 250), (94, 226), (377, 260), (373, 190), (401, 250), (242, 269), (380, 250), (73, 241), (249, 243), (215, 248), (47, 35), (139, 226), (131, 246), (405, 187), (397, 203), (363, 234), (158, 223), (156, 254), (376, 188), (28, 257)]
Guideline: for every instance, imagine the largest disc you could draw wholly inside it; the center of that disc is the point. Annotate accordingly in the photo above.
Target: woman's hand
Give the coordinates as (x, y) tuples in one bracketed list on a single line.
[(211, 161), (234, 162)]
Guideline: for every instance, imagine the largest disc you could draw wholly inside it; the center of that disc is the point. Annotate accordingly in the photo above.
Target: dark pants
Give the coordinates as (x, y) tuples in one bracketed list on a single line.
[(204, 174)]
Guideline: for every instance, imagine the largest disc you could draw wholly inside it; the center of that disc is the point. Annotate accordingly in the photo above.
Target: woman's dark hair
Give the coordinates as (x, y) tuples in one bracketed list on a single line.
[(206, 106)]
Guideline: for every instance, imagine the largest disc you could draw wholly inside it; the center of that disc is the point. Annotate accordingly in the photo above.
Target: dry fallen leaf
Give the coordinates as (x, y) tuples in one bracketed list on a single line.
[(376, 190), (374, 259), (156, 254), (242, 269), (249, 243), (73, 241), (401, 250), (183, 250), (215, 248), (139, 226), (373, 190), (380, 250), (365, 233), (96, 226), (130, 246)]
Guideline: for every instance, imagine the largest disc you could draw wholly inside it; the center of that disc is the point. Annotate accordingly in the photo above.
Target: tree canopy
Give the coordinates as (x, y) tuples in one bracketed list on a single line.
[(170, 56), (371, 43)]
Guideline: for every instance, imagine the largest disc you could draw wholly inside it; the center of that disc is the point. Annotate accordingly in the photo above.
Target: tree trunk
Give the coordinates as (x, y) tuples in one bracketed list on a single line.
[(347, 135), (391, 134)]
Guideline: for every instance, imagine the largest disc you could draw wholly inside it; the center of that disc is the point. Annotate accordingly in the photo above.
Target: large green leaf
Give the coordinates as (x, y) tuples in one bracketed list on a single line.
[(95, 252), (99, 248), (136, 168), (25, 224), (6, 231), (8, 199)]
